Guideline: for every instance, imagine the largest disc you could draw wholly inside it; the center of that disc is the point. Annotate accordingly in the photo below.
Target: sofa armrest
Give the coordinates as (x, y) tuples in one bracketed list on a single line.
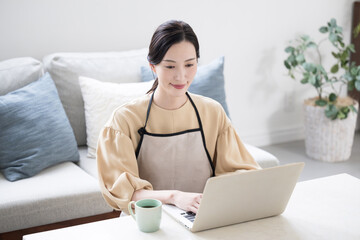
[(263, 158)]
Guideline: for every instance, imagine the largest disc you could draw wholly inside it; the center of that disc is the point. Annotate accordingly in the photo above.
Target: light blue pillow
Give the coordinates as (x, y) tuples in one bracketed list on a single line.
[(209, 81), (35, 132)]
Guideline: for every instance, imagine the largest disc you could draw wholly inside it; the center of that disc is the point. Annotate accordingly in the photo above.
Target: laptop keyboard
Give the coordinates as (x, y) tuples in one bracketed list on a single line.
[(189, 215)]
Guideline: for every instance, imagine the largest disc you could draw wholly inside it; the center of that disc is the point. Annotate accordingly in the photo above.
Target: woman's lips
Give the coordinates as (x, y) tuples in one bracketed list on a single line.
[(178, 86)]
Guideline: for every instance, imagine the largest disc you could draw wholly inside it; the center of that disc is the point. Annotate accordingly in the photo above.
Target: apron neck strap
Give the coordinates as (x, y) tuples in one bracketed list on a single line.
[(196, 111), (191, 101)]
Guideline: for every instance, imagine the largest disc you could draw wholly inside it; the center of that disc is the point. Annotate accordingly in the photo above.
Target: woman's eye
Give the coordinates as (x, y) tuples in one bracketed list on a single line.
[(189, 65), (169, 67)]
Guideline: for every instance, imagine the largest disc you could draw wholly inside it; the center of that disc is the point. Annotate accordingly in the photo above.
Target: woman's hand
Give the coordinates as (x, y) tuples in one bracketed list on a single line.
[(187, 201), (184, 200)]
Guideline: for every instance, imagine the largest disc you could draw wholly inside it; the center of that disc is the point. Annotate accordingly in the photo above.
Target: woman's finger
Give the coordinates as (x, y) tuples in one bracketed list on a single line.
[(197, 205), (193, 209)]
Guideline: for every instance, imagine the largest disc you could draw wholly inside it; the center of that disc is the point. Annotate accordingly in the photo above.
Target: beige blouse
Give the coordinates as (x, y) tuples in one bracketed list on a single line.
[(118, 140)]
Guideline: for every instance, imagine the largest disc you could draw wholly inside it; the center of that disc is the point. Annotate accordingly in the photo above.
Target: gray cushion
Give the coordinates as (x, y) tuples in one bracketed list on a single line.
[(34, 130), (57, 194), (18, 72), (65, 69)]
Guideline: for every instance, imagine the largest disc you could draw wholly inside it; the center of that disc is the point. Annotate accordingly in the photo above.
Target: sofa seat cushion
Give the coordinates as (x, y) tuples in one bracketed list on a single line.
[(57, 194), (263, 158), (88, 164)]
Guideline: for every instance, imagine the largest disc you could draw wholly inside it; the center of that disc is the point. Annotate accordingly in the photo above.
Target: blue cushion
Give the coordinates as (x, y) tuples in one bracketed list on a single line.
[(34, 130), (209, 81)]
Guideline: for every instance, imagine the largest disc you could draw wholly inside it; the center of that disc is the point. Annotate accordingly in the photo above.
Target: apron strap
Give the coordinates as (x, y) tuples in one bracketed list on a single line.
[(202, 135), (142, 130)]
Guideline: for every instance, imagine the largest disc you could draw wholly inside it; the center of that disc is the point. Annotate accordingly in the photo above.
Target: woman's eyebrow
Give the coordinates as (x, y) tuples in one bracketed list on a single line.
[(169, 60)]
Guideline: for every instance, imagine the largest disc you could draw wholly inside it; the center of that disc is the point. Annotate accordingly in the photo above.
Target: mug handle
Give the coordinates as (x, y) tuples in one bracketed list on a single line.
[(130, 209)]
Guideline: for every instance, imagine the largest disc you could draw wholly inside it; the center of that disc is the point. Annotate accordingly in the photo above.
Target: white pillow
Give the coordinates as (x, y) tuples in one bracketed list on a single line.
[(101, 99)]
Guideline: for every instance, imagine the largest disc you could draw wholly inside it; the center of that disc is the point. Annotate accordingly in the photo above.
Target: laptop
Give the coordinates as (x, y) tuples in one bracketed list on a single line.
[(240, 197)]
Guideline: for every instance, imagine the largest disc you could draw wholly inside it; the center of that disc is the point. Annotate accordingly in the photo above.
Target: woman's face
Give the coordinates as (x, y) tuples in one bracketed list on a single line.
[(177, 69)]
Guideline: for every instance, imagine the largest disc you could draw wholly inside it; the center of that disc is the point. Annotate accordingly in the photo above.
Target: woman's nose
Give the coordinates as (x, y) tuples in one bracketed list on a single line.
[(180, 74)]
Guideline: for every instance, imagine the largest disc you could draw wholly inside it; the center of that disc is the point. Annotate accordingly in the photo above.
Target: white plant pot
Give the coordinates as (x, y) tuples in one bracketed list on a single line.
[(325, 139)]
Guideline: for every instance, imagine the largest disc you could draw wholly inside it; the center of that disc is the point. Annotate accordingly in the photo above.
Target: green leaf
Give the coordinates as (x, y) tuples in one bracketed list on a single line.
[(332, 37), (334, 68), (309, 67), (340, 115), (331, 111), (338, 29), (304, 80), (351, 85), (292, 59), (305, 38), (357, 85), (344, 63), (344, 55), (300, 59), (353, 71), (335, 55), (332, 97), (345, 110), (321, 102), (321, 69), (312, 80), (311, 45), (333, 22), (351, 48), (356, 31), (353, 109), (314, 70), (289, 49), (348, 76), (287, 65), (324, 29)]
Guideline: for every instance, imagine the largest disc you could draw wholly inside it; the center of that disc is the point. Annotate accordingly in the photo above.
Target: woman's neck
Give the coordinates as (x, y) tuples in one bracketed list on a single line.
[(169, 102)]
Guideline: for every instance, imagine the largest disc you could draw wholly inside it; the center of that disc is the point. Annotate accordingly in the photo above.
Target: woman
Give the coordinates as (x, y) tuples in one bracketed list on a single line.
[(166, 144)]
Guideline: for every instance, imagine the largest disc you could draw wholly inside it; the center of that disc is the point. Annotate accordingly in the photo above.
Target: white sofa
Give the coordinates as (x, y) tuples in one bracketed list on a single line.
[(68, 190)]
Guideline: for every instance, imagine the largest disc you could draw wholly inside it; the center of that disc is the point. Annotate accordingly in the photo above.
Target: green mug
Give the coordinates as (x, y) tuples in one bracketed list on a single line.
[(147, 214)]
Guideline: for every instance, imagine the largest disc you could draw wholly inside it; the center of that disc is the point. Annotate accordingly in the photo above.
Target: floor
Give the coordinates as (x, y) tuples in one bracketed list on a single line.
[(295, 152)]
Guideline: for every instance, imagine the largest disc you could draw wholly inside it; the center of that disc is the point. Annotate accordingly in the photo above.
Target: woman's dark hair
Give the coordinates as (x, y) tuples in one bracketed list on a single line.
[(166, 35)]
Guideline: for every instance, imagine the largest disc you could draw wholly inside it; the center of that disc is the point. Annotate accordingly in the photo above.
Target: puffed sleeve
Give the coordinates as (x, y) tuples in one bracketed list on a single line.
[(118, 169), (231, 154)]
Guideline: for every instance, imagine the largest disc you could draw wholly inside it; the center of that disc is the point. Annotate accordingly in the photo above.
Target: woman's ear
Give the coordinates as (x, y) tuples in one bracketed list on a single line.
[(152, 67)]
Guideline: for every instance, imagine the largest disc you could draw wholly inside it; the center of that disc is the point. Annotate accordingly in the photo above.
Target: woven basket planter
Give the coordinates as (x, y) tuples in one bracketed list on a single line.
[(325, 139)]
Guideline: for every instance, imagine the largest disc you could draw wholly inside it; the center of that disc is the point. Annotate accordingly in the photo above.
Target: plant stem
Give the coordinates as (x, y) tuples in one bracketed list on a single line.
[(318, 50)]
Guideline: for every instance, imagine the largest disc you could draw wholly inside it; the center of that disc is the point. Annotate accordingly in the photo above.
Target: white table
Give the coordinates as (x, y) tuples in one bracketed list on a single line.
[(323, 208)]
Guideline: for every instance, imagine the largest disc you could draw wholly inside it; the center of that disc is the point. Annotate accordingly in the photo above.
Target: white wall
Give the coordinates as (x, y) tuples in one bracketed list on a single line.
[(251, 34)]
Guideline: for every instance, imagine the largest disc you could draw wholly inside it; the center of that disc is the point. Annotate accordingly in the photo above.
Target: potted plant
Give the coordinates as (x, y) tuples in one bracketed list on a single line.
[(330, 118)]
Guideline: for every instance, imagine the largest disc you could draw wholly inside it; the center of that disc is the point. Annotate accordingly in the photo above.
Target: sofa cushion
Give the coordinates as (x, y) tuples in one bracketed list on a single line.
[(34, 130), (65, 69), (18, 72), (57, 194), (86, 163), (101, 99), (209, 81)]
